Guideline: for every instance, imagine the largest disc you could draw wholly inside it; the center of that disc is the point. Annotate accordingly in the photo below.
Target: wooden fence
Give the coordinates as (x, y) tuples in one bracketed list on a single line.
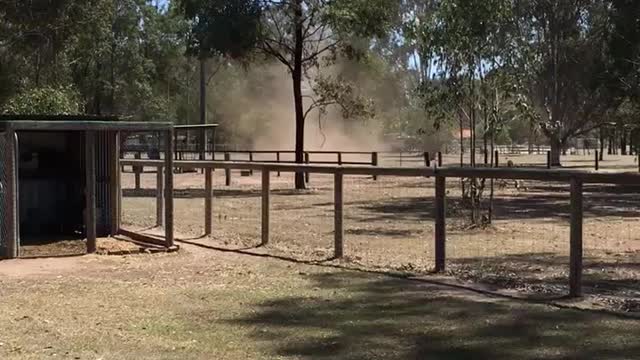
[(575, 178)]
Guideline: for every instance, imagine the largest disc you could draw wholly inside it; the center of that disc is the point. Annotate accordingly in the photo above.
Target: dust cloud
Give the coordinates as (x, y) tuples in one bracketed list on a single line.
[(258, 114)]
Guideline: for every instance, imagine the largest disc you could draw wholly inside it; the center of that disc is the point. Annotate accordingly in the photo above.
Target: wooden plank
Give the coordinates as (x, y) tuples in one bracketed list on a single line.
[(338, 216), (168, 189), (575, 255), (146, 239), (116, 193), (208, 202), (11, 195), (90, 191), (65, 125), (440, 224), (159, 196), (195, 126), (266, 179)]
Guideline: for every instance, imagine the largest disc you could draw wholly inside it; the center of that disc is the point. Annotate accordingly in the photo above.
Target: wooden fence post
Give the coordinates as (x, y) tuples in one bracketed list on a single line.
[(338, 216), (227, 172), (439, 158), (548, 159), (440, 224), (497, 158), (374, 162), (251, 160), (597, 162), (137, 170), (208, 199), (306, 161), (427, 159), (266, 179), (400, 158), (159, 196), (90, 190), (278, 160), (339, 158), (575, 256), (168, 190)]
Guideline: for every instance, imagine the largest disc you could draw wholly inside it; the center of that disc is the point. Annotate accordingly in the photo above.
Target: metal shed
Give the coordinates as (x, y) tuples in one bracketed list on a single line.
[(61, 175)]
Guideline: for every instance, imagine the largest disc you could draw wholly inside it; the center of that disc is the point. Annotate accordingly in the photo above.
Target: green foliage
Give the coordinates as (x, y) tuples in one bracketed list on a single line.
[(45, 100), (222, 27), (361, 18), (507, 69)]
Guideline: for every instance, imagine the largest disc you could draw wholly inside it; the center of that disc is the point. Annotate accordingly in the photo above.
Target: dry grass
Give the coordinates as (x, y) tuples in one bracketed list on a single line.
[(204, 304)]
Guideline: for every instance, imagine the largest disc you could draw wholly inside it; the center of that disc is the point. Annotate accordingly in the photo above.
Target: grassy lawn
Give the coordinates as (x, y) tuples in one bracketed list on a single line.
[(204, 304)]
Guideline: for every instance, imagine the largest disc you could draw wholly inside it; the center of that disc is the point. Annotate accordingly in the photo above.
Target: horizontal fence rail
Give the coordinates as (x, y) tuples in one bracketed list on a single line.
[(562, 175), (576, 179)]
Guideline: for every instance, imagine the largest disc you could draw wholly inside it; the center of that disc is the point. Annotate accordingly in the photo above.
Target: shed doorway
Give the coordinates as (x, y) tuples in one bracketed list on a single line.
[(51, 186)]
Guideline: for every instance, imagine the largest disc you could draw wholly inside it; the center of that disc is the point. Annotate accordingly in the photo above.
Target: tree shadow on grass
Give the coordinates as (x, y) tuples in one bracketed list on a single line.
[(363, 316), (552, 203), (546, 275)]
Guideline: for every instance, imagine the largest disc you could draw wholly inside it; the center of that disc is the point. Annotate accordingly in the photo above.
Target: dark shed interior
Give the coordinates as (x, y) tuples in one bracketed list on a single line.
[(51, 182)]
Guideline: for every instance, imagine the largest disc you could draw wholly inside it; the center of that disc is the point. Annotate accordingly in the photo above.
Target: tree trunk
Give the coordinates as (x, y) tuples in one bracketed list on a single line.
[(556, 149), (623, 142), (610, 144), (296, 76)]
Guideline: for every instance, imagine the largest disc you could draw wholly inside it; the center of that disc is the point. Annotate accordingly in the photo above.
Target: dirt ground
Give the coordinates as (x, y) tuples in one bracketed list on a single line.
[(389, 227), (201, 303), (223, 297), (72, 247)]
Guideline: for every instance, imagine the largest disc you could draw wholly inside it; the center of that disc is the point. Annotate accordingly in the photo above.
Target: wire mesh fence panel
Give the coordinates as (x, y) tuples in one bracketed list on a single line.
[(140, 196), (515, 237), (189, 194), (389, 223), (302, 221), (612, 245)]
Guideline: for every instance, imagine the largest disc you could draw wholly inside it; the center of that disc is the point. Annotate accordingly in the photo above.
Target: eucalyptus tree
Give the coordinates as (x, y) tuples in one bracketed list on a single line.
[(562, 61), (303, 35)]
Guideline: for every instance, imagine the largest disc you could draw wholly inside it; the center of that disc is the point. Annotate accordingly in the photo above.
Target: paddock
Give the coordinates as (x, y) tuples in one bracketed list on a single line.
[(562, 232)]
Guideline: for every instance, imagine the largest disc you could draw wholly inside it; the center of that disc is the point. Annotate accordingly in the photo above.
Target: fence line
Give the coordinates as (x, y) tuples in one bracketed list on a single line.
[(576, 178)]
